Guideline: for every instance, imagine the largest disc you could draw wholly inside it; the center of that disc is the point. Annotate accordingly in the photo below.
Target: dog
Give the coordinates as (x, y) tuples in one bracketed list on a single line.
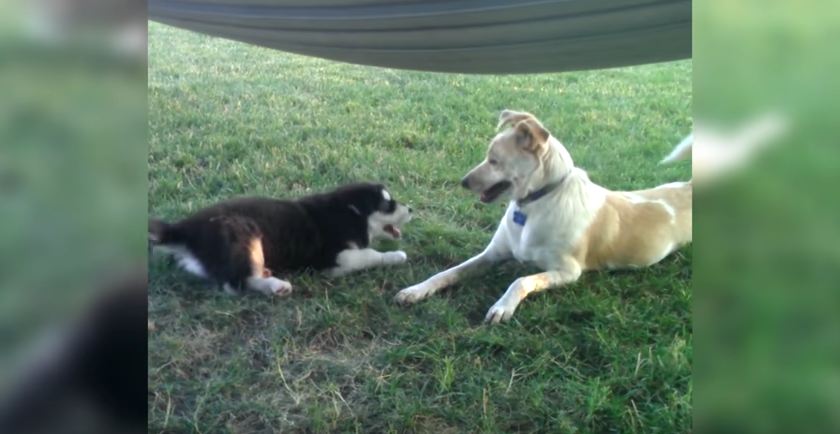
[(560, 220), (243, 242)]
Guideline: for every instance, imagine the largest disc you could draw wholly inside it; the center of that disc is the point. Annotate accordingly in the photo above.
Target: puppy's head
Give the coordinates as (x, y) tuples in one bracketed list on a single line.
[(513, 157), (384, 215)]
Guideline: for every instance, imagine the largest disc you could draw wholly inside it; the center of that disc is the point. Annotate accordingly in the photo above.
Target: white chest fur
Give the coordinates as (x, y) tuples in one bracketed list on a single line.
[(552, 224)]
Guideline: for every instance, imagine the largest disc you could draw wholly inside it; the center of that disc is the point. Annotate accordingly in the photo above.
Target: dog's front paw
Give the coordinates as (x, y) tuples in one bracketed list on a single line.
[(280, 288), (501, 311), (393, 258), (411, 295)]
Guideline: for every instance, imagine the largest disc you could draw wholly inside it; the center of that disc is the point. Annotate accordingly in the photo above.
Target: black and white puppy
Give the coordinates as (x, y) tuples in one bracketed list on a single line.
[(244, 242)]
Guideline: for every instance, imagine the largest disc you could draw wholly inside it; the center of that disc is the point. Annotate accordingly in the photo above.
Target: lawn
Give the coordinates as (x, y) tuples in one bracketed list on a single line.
[(610, 353)]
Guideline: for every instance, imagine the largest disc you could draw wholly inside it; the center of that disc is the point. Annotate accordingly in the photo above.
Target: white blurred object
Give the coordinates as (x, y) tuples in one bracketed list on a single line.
[(681, 151), (121, 23), (716, 152)]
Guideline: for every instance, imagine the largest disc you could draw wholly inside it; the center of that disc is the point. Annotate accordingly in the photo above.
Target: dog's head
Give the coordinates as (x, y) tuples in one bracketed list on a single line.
[(515, 159), (384, 215)]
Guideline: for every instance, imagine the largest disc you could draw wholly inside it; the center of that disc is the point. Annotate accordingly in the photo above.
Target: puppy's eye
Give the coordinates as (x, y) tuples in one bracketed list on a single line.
[(388, 206), (492, 162)]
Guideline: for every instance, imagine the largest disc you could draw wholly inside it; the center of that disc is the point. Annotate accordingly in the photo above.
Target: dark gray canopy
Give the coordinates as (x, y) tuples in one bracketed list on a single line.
[(489, 36)]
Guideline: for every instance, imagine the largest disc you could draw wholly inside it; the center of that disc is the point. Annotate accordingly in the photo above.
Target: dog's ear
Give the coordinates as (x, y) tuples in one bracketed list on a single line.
[(511, 117), (531, 135)]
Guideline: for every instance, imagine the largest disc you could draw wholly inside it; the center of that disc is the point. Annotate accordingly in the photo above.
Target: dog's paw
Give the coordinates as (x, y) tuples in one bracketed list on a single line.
[(395, 257), (501, 311), (230, 290), (280, 288), (411, 295)]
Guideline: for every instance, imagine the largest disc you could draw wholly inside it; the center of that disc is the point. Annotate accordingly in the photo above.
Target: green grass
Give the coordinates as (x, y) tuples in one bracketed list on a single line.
[(610, 353)]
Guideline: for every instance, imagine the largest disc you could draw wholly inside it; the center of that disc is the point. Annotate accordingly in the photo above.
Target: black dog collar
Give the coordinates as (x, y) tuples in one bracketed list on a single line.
[(535, 195)]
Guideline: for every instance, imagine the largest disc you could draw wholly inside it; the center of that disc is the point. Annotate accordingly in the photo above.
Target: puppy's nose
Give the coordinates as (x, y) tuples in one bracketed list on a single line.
[(410, 210), (465, 182)]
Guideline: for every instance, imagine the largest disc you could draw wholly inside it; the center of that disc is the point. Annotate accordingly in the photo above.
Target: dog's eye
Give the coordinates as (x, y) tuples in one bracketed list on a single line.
[(492, 162), (388, 206)]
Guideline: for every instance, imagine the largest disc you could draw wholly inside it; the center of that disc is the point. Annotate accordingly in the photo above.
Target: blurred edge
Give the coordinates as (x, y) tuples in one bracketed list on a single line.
[(767, 265), (73, 159), (89, 376)]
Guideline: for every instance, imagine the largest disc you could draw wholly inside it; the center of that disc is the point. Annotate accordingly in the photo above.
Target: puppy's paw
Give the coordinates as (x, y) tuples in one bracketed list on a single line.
[(412, 294), (501, 311), (280, 288), (393, 258), (230, 290)]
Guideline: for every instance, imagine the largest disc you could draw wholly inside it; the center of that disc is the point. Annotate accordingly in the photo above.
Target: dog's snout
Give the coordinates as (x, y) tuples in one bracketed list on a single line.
[(465, 182), (410, 210)]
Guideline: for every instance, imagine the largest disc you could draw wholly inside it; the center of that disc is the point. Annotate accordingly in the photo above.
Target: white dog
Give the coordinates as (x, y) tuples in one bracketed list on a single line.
[(560, 220)]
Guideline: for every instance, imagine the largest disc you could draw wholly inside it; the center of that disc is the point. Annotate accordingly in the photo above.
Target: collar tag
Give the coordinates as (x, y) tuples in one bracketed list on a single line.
[(519, 218)]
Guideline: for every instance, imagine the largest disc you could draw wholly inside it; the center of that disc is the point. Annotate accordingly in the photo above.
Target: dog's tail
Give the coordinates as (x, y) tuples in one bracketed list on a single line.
[(162, 233), (681, 152)]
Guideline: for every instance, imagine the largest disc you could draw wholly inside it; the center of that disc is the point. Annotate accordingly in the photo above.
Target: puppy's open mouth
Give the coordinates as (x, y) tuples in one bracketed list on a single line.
[(392, 231), (493, 192)]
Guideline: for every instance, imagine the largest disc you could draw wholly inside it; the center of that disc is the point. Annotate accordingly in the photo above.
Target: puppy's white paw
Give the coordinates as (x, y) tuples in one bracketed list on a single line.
[(501, 311), (412, 294), (230, 290), (280, 288), (395, 257)]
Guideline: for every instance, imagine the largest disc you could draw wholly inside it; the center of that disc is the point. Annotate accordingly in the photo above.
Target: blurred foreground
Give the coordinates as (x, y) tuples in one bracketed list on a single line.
[(767, 265), (72, 203)]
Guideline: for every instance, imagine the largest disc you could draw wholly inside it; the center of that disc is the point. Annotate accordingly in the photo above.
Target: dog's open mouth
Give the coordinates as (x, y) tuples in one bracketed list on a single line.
[(493, 192), (392, 231)]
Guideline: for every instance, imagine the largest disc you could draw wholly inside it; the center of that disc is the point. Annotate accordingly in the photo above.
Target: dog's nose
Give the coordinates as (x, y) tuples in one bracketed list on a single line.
[(410, 210), (465, 182)]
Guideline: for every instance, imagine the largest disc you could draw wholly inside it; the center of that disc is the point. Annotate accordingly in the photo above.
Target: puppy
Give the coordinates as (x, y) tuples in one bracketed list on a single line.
[(242, 243), (560, 220)]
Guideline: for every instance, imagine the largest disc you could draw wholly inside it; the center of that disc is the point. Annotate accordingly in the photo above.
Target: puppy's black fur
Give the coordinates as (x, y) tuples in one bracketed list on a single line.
[(305, 233)]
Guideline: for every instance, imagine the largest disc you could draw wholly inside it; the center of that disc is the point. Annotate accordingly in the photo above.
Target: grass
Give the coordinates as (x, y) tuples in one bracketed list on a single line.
[(610, 353)]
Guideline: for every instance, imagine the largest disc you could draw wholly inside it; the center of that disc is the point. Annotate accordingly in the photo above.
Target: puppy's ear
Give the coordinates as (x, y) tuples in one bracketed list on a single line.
[(531, 135), (511, 117)]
